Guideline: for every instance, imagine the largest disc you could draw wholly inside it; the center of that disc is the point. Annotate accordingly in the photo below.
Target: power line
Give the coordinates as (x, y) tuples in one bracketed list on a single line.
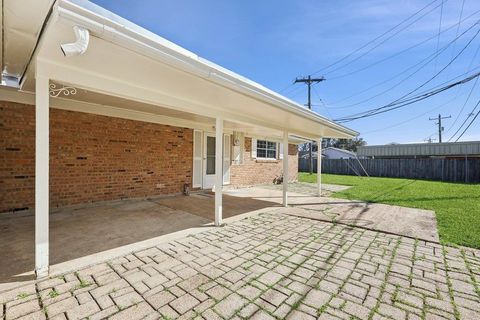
[(401, 99), (413, 118), (321, 101), (290, 85), (471, 91), (458, 27), (465, 121), (372, 41), (471, 122), (446, 66), (292, 90), (463, 107), (406, 102), (392, 56), (438, 36), (410, 101), (428, 59), (378, 45)]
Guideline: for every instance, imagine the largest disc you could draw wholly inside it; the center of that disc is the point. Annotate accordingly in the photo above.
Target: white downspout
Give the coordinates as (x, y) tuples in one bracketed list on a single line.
[(78, 47)]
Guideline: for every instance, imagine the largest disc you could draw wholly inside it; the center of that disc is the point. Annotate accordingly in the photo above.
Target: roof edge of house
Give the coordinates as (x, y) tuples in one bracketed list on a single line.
[(106, 23)]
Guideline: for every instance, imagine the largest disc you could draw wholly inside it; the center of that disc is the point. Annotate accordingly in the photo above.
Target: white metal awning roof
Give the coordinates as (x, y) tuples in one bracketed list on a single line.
[(128, 65)]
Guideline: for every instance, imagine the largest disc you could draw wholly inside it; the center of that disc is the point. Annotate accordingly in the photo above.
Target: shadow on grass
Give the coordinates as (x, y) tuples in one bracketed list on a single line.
[(392, 190), (420, 199)]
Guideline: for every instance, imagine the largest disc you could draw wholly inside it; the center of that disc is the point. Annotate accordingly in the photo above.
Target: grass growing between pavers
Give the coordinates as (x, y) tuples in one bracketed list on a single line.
[(456, 205)]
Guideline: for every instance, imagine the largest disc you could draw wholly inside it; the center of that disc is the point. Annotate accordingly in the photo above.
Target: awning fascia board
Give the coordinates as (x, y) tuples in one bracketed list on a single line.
[(97, 82)]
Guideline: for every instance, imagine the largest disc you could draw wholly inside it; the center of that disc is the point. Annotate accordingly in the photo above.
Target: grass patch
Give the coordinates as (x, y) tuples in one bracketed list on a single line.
[(456, 205), (54, 293), (22, 295)]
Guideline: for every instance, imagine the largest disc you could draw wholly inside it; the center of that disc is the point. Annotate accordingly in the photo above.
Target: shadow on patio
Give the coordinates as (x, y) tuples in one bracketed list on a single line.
[(84, 230)]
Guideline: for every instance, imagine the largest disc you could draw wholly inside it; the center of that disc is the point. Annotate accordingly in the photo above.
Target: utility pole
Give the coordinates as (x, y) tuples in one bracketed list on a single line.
[(309, 81), (439, 123)]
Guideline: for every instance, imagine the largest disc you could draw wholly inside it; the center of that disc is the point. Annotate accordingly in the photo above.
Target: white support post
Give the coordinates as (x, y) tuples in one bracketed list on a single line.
[(285, 168), (218, 170), (41, 175), (319, 167)]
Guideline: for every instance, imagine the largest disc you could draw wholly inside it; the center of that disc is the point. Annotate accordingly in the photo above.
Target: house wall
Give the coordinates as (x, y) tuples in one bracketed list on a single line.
[(92, 158), (257, 171), (98, 158)]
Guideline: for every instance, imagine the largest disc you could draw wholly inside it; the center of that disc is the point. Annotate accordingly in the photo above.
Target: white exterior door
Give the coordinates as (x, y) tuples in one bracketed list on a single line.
[(208, 167)]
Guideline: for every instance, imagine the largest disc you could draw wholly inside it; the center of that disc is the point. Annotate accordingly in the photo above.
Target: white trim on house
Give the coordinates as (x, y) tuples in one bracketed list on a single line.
[(266, 157), (8, 94)]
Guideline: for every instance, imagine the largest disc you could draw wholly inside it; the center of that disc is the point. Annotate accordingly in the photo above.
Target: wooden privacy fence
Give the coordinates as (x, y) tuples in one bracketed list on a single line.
[(453, 170)]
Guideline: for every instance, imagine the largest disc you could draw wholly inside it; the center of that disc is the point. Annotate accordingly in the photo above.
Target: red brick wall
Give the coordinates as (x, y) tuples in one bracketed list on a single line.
[(257, 171), (17, 156), (98, 158), (92, 158)]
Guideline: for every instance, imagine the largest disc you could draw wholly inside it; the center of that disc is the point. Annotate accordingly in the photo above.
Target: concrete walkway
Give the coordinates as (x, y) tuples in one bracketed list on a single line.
[(411, 222), (264, 267)]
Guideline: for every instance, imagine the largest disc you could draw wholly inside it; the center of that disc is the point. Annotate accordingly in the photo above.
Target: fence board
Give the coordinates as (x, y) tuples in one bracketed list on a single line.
[(452, 170)]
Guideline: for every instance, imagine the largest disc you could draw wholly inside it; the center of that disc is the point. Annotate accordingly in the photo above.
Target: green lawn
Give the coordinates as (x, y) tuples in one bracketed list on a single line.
[(456, 205)]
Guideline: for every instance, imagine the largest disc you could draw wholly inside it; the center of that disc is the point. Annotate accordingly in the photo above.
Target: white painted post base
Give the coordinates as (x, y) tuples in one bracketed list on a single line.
[(285, 169), (218, 170)]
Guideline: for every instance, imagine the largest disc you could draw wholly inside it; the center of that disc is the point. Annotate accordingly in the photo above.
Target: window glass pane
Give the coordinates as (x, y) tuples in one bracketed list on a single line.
[(266, 149), (271, 154), (261, 153), (210, 164), (210, 155), (210, 146)]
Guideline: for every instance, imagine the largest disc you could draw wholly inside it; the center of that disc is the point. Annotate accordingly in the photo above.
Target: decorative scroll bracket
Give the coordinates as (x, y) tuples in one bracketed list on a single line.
[(66, 91)]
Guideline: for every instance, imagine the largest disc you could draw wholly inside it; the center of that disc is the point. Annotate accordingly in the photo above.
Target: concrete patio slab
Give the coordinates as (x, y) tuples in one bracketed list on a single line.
[(411, 222), (85, 234)]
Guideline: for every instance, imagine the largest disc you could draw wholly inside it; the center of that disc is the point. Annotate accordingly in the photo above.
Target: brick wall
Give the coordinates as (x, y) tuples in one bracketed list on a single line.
[(92, 158), (97, 158), (257, 171)]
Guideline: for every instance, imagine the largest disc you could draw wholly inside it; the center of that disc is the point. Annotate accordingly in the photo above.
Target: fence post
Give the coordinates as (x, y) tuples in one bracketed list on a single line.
[(466, 169), (443, 169), (455, 170)]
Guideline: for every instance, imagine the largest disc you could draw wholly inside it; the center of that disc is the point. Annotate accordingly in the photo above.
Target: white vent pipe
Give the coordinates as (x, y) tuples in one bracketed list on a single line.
[(80, 45)]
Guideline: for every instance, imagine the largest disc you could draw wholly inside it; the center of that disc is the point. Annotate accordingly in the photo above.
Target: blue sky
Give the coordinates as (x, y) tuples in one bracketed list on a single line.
[(273, 41)]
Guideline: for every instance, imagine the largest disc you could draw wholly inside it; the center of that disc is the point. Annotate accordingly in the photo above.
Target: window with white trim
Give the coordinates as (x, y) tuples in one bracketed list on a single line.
[(266, 149)]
